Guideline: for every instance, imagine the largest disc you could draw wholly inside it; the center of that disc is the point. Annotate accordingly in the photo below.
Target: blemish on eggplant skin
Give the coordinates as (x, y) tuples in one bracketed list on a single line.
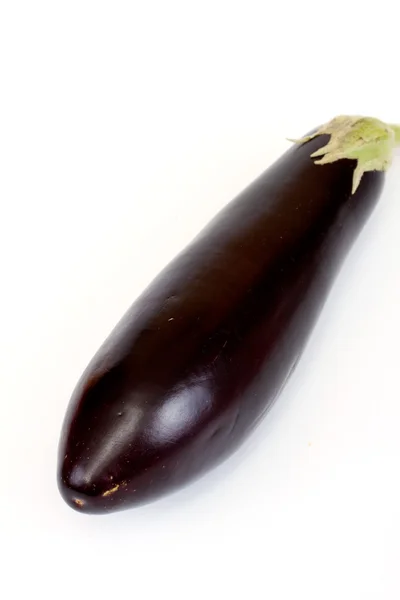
[(78, 502), (111, 491), (114, 489)]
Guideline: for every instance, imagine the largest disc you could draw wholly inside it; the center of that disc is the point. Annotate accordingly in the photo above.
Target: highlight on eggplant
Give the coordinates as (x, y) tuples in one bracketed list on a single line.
[(195, 363)]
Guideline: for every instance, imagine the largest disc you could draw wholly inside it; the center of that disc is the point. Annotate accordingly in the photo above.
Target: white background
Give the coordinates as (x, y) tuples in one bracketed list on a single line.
[(124, 127)]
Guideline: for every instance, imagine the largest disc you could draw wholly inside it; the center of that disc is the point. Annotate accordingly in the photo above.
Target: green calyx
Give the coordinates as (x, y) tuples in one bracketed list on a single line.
[(368, 141)]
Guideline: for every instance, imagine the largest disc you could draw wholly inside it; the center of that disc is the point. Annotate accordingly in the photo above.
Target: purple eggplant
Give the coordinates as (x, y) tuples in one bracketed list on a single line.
[(201, 355)]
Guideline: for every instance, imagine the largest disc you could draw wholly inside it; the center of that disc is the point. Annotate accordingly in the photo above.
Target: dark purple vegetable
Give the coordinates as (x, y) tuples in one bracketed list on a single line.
[(202, 354)]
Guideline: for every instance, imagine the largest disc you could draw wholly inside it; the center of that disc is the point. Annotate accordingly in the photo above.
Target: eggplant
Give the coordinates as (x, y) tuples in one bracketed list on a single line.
[(201, 355)]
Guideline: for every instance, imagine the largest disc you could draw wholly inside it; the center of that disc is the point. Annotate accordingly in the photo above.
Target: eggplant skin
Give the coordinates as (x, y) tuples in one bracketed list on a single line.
[(201, 355)]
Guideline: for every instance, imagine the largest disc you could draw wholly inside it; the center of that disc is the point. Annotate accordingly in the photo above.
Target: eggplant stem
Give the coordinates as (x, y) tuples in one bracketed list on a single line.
[(366, 140), (396, 129)]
